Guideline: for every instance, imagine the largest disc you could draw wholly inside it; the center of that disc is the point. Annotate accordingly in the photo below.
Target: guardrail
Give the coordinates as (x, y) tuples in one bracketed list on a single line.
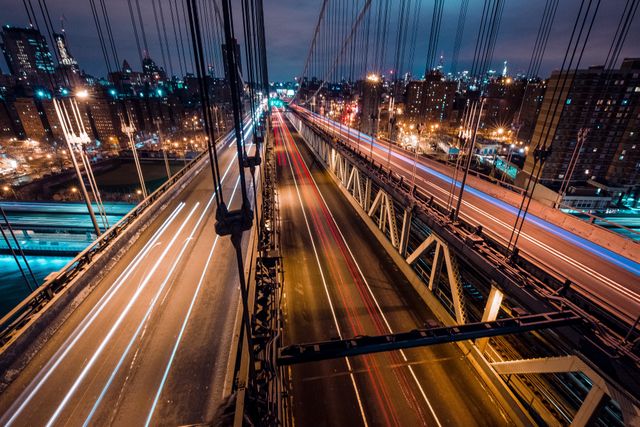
[(56, 282)]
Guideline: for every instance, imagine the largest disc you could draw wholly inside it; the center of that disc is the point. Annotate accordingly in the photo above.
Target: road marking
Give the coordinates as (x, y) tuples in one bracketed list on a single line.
[(324, 282), (185, 321), (53, 363), (142, 322), (413, 374), (119, 320)]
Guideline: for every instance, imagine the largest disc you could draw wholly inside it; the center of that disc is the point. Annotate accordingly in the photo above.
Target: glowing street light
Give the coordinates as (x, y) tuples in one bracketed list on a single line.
[(373, 78), (7, 188)]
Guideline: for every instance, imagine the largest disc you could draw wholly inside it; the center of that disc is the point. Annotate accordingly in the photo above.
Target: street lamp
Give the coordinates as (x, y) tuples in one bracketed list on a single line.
[(7, 188), (129, 129)]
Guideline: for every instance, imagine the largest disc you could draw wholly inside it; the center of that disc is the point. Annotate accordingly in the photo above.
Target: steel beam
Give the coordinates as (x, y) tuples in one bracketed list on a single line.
[(313, 352), (600, 386)]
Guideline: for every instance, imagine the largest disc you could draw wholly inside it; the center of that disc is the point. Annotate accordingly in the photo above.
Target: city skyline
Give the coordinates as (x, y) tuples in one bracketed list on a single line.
[(290, 26)]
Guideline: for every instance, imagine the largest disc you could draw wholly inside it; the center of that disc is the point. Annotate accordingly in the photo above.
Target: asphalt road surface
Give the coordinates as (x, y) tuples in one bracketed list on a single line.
[(340, 283), (150, 345)]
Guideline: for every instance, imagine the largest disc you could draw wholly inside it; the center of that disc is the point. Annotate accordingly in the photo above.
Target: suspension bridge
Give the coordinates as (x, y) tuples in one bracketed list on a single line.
[(305, 269)]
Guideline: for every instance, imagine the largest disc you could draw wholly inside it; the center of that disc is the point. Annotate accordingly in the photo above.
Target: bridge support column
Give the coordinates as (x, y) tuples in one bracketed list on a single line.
[(490, 313)]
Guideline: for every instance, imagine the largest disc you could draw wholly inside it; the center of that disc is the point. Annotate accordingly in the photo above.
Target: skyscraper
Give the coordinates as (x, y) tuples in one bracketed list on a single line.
[(370, 104), (28, 55), (64, 54), (598, 115)]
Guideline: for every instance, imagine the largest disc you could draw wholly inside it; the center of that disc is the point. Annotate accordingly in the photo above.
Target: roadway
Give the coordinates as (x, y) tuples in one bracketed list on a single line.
[(604, 276), (340, 283), (151, 343), (59, 217)]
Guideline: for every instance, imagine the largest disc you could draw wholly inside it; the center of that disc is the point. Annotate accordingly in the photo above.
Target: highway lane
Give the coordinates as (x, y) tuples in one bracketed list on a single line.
[(339, 283), (608, 278), (151, 343)]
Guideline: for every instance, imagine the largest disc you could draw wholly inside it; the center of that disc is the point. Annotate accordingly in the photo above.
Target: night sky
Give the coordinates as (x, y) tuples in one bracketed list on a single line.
[(290, 23)]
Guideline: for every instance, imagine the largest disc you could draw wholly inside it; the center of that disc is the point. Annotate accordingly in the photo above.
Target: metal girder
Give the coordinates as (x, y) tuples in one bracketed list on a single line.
[(387, 215), (453, 272), (599, 388), (312, 352)]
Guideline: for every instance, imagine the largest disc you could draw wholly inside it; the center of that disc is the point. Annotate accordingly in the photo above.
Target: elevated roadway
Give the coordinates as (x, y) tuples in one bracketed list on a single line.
[(340, 283), (604, 276), (151, 343)]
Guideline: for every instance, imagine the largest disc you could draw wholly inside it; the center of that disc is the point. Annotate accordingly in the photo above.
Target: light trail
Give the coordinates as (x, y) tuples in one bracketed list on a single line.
[(324, 281), (185, 322), (370, 291), (60, 355), (53, 363), (148, 313), (119, 320)]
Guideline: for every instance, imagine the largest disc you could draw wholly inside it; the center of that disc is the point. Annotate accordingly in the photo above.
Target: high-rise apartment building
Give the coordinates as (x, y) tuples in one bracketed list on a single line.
[(31, 119), (429, 100), (28, 55), (596, 122), (370, 104)]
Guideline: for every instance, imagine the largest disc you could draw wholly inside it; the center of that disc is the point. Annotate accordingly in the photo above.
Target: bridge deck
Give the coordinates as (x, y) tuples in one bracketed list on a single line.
[(351, 288), (153, 338)]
